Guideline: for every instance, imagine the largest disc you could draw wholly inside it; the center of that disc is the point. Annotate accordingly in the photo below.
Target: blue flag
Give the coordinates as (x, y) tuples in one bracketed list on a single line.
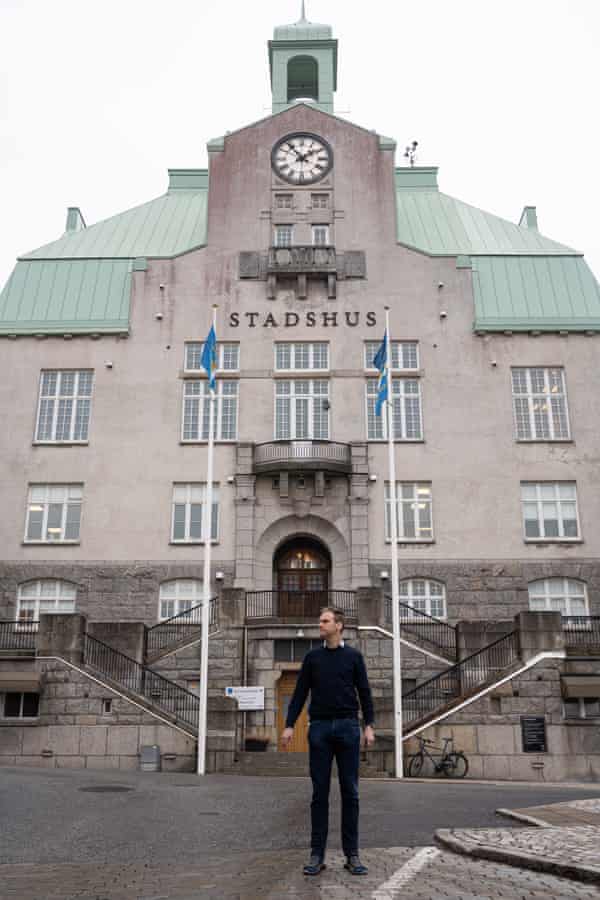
[(382, 385), (209, 357)]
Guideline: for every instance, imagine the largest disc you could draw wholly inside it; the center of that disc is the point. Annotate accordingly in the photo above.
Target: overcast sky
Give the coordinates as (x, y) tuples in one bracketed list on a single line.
[(99, 97)]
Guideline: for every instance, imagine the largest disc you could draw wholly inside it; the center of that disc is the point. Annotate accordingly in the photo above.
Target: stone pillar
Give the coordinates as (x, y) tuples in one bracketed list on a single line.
[(245, 501), (369, 601), (232, 608), (539, 632), (62, 635), (126, 637), (359, 513)]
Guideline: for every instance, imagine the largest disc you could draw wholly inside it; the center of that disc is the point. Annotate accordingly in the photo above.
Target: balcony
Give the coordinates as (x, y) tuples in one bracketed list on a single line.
[(288, 456), (297, 606), (301, 262)]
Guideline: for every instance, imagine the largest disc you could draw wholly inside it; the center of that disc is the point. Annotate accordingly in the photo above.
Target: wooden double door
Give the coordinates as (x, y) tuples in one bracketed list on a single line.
[(285, 690), (302, 581)]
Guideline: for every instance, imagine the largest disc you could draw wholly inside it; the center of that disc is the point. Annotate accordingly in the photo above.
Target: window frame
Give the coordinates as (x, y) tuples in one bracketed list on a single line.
[(311, 396), (531, 396), (400, 396), (222, 348), (178, 600), (281, 195), (428, 597), (278, 229), (37, 600), (581, 711), (188, 503), (313, 234), (539, 501), (568, 596), (202, 398), (76, 399), (46, 504), (20, 717), (418, 486), (370, 349), (311, 356)]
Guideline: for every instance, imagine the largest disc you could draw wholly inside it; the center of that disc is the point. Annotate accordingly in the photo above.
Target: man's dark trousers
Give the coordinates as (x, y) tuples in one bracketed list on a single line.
[(340, 738)]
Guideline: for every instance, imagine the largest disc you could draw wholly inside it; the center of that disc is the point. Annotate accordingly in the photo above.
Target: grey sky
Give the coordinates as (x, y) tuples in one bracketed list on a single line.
[(98, 99)]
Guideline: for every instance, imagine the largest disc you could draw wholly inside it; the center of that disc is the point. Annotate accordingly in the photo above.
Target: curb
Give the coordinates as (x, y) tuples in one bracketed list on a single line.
[(522, 817), (449, 840)]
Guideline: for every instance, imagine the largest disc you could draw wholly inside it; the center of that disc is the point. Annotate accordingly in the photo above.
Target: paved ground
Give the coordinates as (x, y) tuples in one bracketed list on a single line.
[(177, 837)]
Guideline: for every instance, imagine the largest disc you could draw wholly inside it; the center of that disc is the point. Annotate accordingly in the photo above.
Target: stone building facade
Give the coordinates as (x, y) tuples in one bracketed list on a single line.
[(302, 231)]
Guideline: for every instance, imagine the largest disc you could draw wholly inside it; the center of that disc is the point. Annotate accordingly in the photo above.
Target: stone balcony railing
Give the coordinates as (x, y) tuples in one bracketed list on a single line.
[(302, 262), (282, 456), (301, 258)]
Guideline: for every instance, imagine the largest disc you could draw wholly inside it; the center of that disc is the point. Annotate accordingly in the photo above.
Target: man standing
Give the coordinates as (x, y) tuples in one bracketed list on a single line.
[(334, 674)]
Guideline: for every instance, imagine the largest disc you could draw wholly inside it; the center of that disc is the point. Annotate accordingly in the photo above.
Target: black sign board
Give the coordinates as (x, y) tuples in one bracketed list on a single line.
[(533, 734)]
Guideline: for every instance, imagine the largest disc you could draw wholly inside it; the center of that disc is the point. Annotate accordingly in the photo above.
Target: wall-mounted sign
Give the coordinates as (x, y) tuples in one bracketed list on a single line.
[(247, 697), (533, 734)]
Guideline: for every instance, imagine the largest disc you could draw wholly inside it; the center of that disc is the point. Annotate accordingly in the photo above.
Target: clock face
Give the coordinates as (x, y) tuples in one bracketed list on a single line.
[(302, 158)]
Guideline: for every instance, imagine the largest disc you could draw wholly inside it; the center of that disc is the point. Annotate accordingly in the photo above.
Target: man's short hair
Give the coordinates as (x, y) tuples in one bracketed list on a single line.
[(338, 614)]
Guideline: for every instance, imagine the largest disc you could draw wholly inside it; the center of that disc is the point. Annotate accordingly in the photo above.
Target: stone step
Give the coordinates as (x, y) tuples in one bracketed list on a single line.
[(288, 765)]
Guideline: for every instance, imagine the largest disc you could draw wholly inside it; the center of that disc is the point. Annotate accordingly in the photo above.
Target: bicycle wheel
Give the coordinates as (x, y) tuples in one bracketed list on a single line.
[(415, 766), (456, 765)]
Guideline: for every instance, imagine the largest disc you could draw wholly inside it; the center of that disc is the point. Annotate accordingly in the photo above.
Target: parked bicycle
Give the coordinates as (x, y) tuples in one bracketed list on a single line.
[(451, 763)]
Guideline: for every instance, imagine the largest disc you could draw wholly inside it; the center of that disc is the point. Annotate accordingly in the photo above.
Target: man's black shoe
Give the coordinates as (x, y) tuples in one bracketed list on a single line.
[(355, 867), (315, 865)]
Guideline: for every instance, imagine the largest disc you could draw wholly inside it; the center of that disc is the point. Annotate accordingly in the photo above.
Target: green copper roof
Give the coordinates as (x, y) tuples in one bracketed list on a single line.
[(59, 297), (535, 293), (303, 31)]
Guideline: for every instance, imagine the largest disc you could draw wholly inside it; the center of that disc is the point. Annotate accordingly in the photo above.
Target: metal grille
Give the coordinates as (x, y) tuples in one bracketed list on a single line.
[(178, 628), (581, 631), (18, 635), (415, 623), (300, 604)]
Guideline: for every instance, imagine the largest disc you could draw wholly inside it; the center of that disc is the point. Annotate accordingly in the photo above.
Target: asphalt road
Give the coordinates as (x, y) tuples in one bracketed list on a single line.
[(51, 816)]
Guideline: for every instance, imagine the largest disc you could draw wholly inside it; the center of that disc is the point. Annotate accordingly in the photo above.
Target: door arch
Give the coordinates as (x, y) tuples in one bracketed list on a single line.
[(301, 576)]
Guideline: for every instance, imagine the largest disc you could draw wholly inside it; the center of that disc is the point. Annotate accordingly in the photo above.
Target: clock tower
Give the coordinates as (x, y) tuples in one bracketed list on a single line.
[(303, 63)]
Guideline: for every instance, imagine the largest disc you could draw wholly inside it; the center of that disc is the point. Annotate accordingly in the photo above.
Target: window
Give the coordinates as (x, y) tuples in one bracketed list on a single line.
[(319, 201), (107, 706), (581, 708), (196, 411), (301, 356), (179, 595), (64, 406), (413, 511), (424, 595), (540, 404), (550, 511), (44, 596), (405, 354), (564, 595), (408, 425), (284, 235), (228, 357), (187, 518), (320, 235), (302, 410), (283, 201), (20, 706), (294, 650), (54, 513)]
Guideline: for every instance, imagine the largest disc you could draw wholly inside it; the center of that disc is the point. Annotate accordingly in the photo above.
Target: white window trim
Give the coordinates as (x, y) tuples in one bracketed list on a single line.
[(427, 597), (578, 539), (402, 539), (220, 356), (188, 504), (311, 397), (63, 522), (276, 234), (75, 398), (36, 601), (531, 396), (397, 380), (313, 230), (218, 411), (311, 354), (414, 372), (564, 595), (177, 600)]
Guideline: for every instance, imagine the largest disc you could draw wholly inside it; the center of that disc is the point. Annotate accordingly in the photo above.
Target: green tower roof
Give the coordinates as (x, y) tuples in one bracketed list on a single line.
[(303, 30)]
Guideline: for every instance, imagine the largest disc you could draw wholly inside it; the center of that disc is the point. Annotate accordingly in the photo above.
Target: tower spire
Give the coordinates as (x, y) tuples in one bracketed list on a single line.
[(303, 13)]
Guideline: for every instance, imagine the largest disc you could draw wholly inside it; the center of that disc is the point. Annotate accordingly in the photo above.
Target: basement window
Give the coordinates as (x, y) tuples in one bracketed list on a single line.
[(582, 708), (107, 706), (19, 705)]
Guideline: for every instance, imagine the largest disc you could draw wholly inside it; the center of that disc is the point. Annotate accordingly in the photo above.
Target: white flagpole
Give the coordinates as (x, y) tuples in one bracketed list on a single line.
[(207, 532), (394, 536)]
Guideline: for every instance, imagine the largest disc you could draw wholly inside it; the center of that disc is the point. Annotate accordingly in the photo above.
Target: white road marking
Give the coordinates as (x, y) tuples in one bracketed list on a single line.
[(389, 888)]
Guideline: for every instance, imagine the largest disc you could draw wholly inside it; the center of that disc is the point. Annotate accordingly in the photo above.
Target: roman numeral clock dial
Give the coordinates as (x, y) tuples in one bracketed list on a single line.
[(302, 158)]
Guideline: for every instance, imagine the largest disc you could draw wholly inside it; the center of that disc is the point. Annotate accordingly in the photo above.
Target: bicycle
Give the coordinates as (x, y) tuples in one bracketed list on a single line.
[(452, 763)]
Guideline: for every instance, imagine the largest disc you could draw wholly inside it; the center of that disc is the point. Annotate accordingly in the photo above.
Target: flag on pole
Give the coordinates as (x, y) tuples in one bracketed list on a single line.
[(379, 362), (209, 357)]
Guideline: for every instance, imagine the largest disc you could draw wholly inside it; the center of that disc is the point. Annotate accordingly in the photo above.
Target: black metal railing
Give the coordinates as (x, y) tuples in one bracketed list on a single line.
[(167, 695), (298, 604), (581, 631), (418, 624), (18, 635), (461, 679), (172, 632)]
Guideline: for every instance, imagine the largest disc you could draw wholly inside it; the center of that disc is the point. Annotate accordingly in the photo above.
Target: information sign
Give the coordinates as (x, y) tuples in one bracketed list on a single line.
[(247, 697), (533, 734)]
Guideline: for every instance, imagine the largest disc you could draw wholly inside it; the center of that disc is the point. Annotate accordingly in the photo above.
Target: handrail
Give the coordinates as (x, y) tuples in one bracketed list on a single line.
[(18, 634), (301, 604), (460, 679), (581, 630), (177, 628), (435, 631), (159, 691)]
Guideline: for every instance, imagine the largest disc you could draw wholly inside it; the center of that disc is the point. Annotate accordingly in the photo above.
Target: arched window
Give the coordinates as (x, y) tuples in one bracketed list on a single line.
[(178, 595), (303, 78), (565, 595), (425, 595), (48, 595)]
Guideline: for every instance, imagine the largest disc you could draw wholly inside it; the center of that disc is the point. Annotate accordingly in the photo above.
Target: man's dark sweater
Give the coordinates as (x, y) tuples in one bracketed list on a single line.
[(333, 677)]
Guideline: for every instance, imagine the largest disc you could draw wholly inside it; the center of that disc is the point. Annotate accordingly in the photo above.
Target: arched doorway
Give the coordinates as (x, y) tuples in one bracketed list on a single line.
[(301, 577)]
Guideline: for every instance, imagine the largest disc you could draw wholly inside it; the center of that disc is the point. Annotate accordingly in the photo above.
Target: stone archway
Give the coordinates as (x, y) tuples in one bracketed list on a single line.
[(289, 527)]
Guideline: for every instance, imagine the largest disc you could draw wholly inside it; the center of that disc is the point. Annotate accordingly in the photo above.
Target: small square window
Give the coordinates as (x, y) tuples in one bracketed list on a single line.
[(284, 201), (319, 201), (320, 235), (107, 706), (284, 235)]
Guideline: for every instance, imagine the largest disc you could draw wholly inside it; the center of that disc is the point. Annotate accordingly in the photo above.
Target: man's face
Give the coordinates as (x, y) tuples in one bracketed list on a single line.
[(328, 626)]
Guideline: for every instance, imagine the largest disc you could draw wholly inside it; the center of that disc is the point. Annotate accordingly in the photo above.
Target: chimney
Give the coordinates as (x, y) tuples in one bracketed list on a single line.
[(75, 221), (529, 218)]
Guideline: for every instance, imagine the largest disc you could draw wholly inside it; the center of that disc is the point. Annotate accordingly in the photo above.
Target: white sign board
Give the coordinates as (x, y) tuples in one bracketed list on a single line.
[(247, 697)]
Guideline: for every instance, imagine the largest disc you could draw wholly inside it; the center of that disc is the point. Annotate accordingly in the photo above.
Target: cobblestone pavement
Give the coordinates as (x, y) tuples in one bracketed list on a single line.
[(394, 873)]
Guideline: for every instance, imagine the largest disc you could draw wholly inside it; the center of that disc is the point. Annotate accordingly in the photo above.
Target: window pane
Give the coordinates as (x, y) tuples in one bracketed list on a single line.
[(73, 520), (196, 521), (193, 356), (34, 524), (82, 417), (214, 532), (30, 704), (44, 429), (231, 357), (12, 705), (63, 420), (54, 525), (179, 522), (283, 356)]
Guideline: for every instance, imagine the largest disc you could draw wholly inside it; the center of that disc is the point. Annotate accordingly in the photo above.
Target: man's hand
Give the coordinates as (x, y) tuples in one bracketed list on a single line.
[(369, 735), (286, 737)]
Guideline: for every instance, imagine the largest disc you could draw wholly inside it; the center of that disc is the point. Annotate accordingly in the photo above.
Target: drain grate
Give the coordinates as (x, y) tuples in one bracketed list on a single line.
[(105, 789)]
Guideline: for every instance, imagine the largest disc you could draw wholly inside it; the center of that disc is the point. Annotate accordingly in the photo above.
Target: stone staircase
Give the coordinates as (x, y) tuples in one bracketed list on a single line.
[(288, 765)]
